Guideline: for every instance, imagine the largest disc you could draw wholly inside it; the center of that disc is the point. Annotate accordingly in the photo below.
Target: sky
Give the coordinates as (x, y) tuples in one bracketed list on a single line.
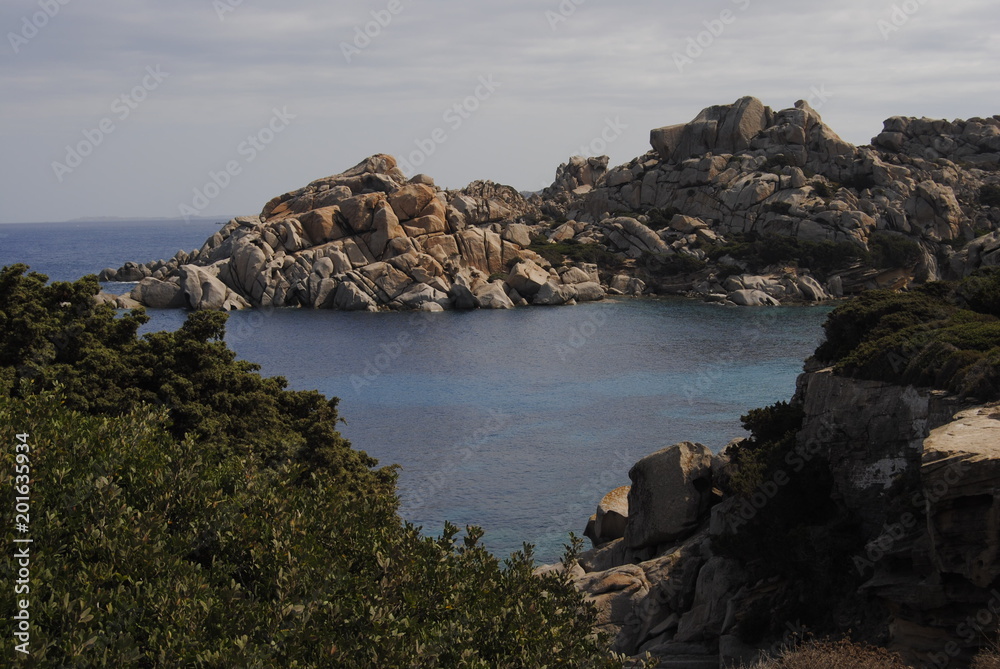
[(134, 108)]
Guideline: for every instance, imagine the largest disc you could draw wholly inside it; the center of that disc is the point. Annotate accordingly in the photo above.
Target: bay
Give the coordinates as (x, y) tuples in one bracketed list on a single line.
[(517, 421)]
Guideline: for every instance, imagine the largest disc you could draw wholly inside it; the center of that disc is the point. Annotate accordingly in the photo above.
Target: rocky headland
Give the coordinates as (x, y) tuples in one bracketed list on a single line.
[(865, 506), (743, 206)]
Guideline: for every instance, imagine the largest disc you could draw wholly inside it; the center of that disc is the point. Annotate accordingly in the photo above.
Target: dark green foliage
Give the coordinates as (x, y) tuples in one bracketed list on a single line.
[(188, 512), (822, 189), (772, 436), (989, 195), (890, 250), (777, 163), (981, 291), (669, 266), (150, 554), (572, 250), (922, 338), (760, 251), (785, 521), (860, 182)]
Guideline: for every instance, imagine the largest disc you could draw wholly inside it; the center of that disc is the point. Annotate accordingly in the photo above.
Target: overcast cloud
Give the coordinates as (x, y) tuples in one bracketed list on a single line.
[(214, 73)]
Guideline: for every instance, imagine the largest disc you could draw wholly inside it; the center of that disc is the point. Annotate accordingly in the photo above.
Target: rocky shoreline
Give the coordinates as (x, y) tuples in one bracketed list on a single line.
[(915, 468), (741, 206)]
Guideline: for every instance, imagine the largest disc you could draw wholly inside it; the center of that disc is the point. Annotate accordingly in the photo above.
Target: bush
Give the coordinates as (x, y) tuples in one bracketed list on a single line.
[(557, 254), (670, 266), (760, 251), (989, 195), (193, 513), (891, 250), (922, 338), (986, 659), (981, 291), (834, 655)]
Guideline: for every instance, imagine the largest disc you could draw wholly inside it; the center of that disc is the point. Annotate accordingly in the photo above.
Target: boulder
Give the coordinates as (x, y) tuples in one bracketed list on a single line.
[(717, 129), (612, 515), (420, 293), (552, 294), (670, 494), (204, 291), (527, 278), (752, 298), (960, 467), (350, 297), (615, 594), (492, 296), (157, 294)]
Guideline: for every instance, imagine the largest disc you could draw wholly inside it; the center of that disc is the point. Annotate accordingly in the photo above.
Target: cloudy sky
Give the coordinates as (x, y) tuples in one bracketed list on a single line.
[(134, 108)]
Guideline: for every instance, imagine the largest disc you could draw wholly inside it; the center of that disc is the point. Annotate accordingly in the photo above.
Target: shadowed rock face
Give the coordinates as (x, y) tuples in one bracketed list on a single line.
[(916, 469)]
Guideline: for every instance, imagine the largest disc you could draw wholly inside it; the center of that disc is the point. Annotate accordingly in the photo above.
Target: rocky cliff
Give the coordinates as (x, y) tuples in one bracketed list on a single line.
[(914, 470), (743, 205)]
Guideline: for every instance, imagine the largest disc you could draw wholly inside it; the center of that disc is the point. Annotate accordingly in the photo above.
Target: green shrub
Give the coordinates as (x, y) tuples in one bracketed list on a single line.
[(760, 251), (670, 266), (891, 250), (188, 512), (989, 195), (572, 250), (922, 338), (981, 291)]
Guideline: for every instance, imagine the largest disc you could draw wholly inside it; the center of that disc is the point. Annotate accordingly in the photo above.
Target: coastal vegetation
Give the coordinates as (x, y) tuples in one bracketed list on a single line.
[(188, 512)]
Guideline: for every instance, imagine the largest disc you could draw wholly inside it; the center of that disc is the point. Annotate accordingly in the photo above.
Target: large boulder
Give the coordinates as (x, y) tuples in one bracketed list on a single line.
[(527, 278), (717, 129), (670, 494), (157, 294), (612, 515)]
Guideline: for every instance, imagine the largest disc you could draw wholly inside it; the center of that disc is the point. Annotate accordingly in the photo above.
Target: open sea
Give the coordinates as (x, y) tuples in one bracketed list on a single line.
[(516, 421)]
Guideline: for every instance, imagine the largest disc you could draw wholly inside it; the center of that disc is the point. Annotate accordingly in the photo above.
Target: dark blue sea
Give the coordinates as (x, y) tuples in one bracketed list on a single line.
[(517, 421)]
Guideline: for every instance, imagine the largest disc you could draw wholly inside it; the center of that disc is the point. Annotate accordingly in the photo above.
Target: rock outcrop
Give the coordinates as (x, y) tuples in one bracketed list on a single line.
[(367, 239), (916, 470), (908, 209)]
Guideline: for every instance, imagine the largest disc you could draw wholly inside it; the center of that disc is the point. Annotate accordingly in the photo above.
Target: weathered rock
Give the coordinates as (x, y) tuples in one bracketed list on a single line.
[(615, 593), (157, 294), (752, 298), (350, 297), (670, 494), (527, 278), (492, 296), (960, 469), (612, 514)]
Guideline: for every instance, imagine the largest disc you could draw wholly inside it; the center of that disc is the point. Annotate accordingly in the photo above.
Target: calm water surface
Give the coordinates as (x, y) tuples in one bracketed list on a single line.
[(518, 421)]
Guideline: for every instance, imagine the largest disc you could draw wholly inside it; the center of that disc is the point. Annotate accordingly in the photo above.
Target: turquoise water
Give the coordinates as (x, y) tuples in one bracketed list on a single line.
[(519, 421)]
